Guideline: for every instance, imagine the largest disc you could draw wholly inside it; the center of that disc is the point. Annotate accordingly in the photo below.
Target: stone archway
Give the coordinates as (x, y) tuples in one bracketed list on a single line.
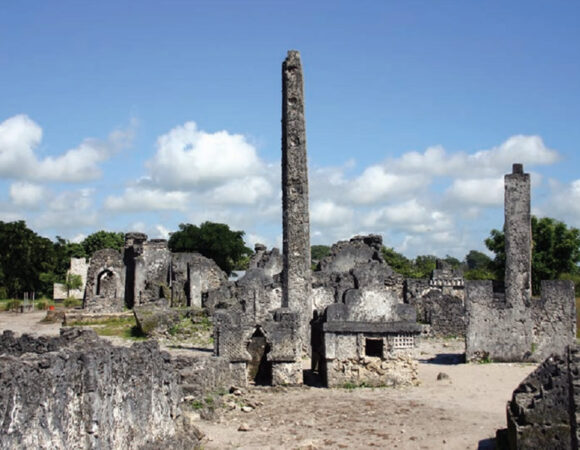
[(106, 284), (259, 368)]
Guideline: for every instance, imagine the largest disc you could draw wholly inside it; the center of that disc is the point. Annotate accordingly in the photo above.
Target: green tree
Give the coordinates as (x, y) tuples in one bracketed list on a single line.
[(479, 266), (73, 281), (66, 250), (27, 260), (477, 260), (555, 251), (101, 240), (424, 265), (213, 240), (398, 262)]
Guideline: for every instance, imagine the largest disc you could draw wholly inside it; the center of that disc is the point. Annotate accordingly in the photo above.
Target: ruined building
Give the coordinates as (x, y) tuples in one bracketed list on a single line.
[(439, 301), (145, 272), (364, 333), (514, 326), (264, 343)]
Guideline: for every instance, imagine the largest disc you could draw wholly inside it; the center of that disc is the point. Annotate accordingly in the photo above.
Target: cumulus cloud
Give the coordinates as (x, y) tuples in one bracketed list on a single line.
[(563, 202), (27, 195), (242, 191), (479, 191), (410, 215), (187, 157), (377, 184), (140, 198), (327, 213), (528, 150), (20, 136)]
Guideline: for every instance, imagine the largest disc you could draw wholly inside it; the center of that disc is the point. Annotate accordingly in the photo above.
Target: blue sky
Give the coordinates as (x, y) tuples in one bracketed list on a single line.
[(141, 115)]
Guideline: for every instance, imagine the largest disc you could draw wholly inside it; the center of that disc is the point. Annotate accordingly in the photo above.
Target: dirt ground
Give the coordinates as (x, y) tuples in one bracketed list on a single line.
[(462, 411)]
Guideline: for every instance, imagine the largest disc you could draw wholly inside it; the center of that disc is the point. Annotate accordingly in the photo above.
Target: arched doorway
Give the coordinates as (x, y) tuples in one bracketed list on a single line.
[(259, 368), (106, 284)]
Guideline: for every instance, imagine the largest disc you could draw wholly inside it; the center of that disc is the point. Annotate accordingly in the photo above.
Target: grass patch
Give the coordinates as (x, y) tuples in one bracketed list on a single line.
[(123, 327)]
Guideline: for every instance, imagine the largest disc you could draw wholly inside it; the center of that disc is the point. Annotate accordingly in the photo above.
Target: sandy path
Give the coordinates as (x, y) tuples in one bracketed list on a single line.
[(461, 412), (28, 322)]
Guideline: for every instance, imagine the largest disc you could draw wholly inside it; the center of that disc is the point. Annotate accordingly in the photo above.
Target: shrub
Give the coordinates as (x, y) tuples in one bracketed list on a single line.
[(41, 304)]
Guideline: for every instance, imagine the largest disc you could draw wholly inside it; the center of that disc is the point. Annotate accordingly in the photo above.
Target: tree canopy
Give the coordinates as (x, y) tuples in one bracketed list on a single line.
[(101, 240), (27, 260), (213, 240), (555, 251)]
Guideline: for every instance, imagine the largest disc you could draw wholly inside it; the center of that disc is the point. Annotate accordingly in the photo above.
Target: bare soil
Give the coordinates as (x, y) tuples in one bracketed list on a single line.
[(462, 411)]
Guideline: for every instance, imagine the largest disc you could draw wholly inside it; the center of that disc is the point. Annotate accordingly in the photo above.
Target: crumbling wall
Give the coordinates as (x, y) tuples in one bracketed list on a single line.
[(543, 410), (444, 313), (78, 266), (105, 288), (271, 261), (78, 391), (152, 272), (192, 277), (514, 326)]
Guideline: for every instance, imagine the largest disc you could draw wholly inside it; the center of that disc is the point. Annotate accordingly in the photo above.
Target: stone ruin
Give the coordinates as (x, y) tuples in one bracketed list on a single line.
[(363, 332), (80, 267), (354, 315), (513, 326), (544, 410), (78, 391), (439, 301), (146, 272), (263, 344)]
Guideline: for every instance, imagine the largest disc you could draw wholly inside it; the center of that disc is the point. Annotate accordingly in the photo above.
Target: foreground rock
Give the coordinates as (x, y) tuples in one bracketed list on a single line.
[(78, 391)]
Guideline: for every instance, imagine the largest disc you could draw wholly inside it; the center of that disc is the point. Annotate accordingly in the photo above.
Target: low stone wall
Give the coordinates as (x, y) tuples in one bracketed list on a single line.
[(396, 370), (544, 409), (78, 391)]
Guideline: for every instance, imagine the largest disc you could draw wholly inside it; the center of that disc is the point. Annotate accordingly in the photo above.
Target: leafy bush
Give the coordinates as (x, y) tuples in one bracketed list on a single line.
[(41, 304)]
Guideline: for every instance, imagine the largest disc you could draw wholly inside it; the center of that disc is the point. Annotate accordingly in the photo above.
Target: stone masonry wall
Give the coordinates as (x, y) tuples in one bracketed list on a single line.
[(515, 327), (544, 408), (78, 391)]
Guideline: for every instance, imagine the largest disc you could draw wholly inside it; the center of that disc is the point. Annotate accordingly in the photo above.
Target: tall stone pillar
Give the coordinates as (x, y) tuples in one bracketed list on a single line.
[(518, 238), (296, 279)]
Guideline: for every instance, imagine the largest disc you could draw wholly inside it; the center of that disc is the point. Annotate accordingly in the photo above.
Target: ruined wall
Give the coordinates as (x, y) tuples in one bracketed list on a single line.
[(500, 332), (78, 391), (192, 277), (271, 261), (515, 327), (105, 288), (78, 266), (444, 313), (152, 272), (544, 408)]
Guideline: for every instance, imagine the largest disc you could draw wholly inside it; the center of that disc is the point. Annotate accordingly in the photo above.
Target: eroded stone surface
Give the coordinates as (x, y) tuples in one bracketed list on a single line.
[(78, 391)]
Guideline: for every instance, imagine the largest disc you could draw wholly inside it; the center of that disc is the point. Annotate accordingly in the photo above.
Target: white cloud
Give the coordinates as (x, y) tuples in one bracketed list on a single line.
[(242, 191), (20, 136), (147, 199), (528, 150), (411, 216), (481, 191), (27, 195), (377, 184), (189, 157), (327, 213)]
